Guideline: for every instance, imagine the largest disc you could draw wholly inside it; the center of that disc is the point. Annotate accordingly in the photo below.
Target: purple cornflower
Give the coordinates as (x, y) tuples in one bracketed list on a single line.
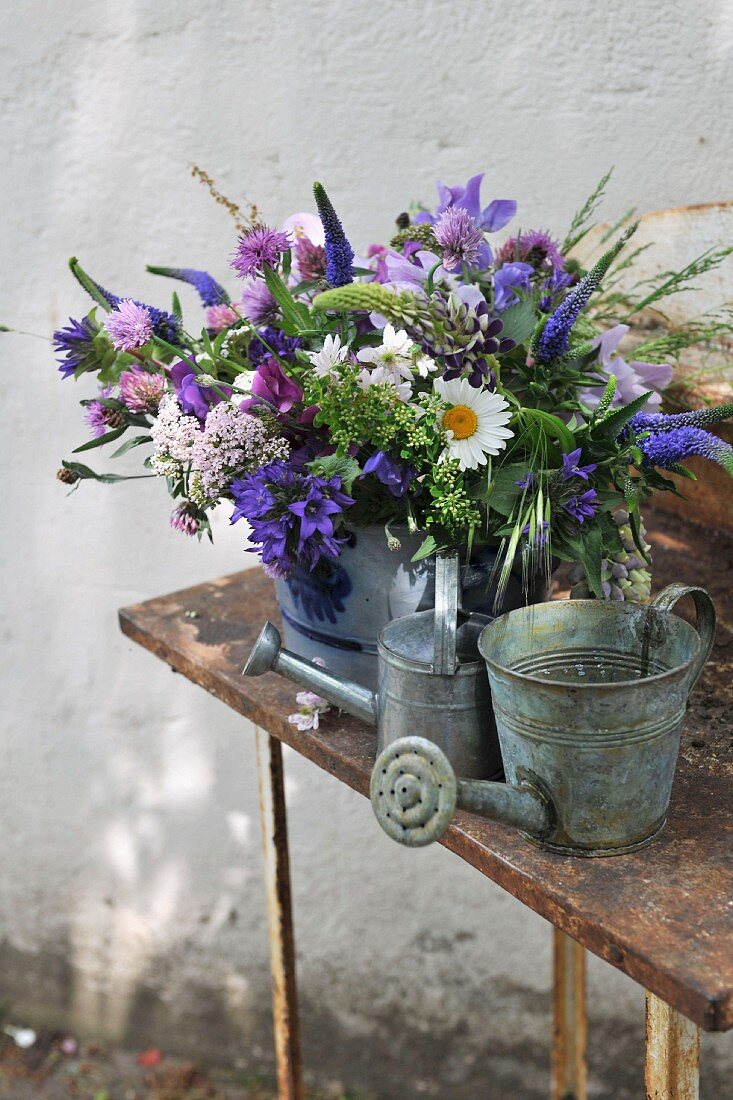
[(205, 285), (75, 344), (129, 325), (395, 475), (667, 448), (458, 236), (339, 253), (510, 277), (258, 304), (535, 247), (103, 418), (184, 518), (570, 467), (582, 506), (141, 391), (259, 248), (291, 513)]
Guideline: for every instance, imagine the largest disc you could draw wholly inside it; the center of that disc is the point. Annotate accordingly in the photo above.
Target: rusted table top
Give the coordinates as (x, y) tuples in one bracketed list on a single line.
[(663, 915)]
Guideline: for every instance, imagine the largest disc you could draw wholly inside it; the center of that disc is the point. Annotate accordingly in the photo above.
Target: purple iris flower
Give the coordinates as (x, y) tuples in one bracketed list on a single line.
[(570, 467), (194, 399), (582, 507), (395, 475), (510, 277)]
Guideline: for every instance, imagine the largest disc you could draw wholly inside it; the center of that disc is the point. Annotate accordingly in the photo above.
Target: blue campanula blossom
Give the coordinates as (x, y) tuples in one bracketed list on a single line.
[(570, 467), (292, 514), (395, 475), (582, 506), (205, 285), (339, 253), (510, 277)]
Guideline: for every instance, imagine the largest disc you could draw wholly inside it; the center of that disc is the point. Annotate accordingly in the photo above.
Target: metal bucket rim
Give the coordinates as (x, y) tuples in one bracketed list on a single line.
[(604, 606)]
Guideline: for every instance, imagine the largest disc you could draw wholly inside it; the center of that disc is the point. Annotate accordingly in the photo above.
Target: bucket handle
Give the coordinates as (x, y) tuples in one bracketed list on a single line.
[(705, 623), (446, 614)]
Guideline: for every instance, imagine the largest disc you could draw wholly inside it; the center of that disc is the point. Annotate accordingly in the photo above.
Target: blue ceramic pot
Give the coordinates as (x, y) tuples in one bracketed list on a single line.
[(336, 612)]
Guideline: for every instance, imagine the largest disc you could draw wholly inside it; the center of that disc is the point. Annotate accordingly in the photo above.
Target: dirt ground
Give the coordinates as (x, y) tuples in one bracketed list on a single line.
[(55, 1067)]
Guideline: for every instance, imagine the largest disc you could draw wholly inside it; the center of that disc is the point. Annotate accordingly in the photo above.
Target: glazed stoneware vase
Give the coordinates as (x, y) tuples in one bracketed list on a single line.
[(336, 612)]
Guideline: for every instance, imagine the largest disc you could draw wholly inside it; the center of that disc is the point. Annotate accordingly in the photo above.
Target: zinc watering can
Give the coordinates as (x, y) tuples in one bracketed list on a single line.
[(589, 698), (431, 680)]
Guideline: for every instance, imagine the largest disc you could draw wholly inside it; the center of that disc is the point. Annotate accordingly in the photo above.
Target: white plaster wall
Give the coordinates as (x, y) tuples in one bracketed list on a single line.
[(130, 896)]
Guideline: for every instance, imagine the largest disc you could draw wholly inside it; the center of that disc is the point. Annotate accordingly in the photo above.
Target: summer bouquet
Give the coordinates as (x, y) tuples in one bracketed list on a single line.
[(467, 386)]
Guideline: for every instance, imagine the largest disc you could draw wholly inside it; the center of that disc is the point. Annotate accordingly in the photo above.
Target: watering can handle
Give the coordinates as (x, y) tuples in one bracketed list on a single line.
[(446, 614), (705, 624)]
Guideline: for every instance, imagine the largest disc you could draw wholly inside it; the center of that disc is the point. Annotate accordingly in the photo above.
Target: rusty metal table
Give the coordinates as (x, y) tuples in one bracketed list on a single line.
[(663, 915)]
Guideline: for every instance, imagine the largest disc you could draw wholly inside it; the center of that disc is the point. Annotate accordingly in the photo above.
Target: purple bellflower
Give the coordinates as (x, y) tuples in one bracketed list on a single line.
[(395, 475), (570, 467), (582, 506)]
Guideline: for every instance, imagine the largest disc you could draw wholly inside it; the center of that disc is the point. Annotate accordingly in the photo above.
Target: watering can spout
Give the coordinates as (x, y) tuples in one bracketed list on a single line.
[(268, 655), (415, 792)]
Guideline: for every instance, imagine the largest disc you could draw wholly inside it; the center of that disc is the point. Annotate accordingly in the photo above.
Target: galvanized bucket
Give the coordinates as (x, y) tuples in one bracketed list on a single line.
[(589, 697)]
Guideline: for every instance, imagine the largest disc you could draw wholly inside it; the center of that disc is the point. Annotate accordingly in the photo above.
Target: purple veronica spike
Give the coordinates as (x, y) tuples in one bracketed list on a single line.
[(665, 449), (664, 422), (165, 325), (259, 248), (339, 253), (205, 285)]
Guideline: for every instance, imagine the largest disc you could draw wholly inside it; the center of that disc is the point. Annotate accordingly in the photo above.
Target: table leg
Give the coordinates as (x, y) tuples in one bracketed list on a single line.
[(569, 1023), (672, 1069), (279, 915)]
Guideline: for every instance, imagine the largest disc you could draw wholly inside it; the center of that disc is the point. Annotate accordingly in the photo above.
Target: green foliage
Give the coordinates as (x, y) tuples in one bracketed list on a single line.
[(519, 320), (84, 473), (343, 466), (581, 223), (421, 232), (296, 315)]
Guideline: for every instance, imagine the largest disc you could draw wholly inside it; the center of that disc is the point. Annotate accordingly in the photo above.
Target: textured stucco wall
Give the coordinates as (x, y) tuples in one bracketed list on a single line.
[(130, 894)]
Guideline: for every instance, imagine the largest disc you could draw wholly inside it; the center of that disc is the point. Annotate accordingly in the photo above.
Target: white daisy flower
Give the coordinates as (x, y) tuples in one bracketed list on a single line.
[(393, 354), (475, 422), (330, 355)]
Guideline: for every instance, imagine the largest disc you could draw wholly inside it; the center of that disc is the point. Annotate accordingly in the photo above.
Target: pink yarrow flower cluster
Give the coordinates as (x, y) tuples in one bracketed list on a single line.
[(129, 326), (231, 441), (174, 435)]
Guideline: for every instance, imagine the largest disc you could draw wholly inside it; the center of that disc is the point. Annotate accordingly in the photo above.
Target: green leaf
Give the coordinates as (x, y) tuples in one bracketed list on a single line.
[(427, 547), (552, 426), (100, 441), (293, 312), (519, 321), (345, 467), (136, 441), (84, 473), (611, 426), (86, 281), (502, 493)]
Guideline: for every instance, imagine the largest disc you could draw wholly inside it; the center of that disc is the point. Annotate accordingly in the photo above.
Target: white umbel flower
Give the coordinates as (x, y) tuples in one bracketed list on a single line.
[(475, 422), (327, 359)]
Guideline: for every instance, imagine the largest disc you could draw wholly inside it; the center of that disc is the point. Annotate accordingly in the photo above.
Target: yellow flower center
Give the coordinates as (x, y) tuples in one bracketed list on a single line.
[(461, 420)]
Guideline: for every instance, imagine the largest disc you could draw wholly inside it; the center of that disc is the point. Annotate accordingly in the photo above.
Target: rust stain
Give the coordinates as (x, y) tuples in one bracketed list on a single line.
[(661, 915), (569, 1028), (672, 1065)]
